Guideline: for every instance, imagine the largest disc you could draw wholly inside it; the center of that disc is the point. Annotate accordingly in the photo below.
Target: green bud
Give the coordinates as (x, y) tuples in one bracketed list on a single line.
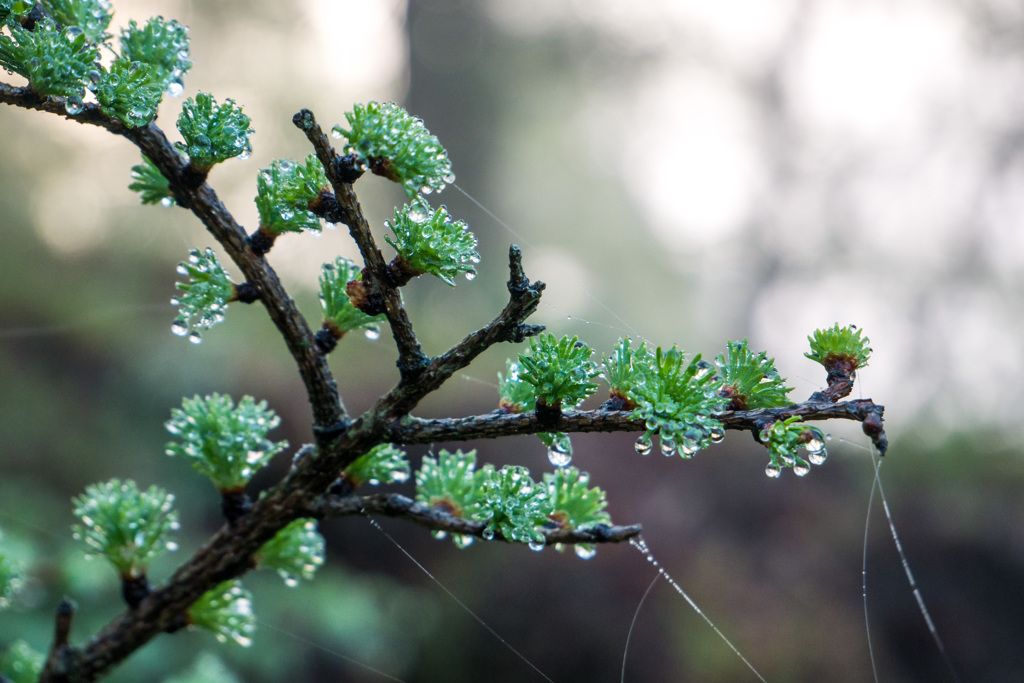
[(397, 146), (213, 132), (127, 526), (164, 46), (226, 611), (226, 443), (205, 296), (382, 464), (429, 241), (295, 552), (750, 381)]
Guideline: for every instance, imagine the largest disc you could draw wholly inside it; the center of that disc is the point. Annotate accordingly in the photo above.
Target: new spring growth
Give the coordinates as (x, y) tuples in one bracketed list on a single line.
[(514, 506), (226, 611), (382, 464), (92, 16), (22, 663), (750, 381), (150, 184), (451, 482), (285, 195), (164, 46), (560, 371), (212, 132), (784, 438), (429, 241), (205, 297), (340, 316), (127, 526), (676, 400), (840, 348), (127, 91), (517, 396), (623, 370), (396, 145), (225, 442), (295, 552), (575, 505), (55, 60)]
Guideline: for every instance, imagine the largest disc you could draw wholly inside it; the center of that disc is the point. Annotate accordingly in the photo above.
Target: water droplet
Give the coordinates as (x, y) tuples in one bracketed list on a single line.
[(175, 88), (487, 534), (471, 275), (773, 470), (335, 133), (536, 546), (703, 368), (179, 328), (462, 541), (717, 434), (171, 546), (558, 456), (244, 156), (585, 551), (166, 202), (668, 446), (438, 534), (372, 333), (815, 445), (818, 457), (801, 468), (73, 105), (195, 337), (400, 476)]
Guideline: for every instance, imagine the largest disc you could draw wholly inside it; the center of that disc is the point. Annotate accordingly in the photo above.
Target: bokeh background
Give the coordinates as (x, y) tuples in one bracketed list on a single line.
[(681, 171)]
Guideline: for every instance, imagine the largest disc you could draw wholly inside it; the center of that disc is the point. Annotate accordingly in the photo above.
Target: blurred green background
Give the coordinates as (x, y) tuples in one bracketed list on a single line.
[(684, 172)]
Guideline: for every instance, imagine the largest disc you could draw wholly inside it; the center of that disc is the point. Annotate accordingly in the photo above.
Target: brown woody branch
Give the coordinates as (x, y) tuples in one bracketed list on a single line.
[(395, 505), (377, 281)]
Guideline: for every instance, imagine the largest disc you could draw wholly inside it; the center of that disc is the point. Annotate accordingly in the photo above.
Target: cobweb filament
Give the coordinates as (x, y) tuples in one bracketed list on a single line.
[(458, 602), (641, 545)]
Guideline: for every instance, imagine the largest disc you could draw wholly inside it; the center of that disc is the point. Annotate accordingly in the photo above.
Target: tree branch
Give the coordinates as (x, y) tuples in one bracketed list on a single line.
[(411, 359), (206, 205), (500, 424), (395, 505)]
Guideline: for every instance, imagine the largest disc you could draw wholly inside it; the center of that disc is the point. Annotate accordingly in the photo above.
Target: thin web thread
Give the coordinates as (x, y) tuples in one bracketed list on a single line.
[(458, 602), (641, 545), (334, 653), (910, 575), (632, 624)]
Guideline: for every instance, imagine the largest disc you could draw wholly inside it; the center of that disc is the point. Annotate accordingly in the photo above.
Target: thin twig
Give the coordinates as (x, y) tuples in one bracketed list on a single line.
[(395, 505)]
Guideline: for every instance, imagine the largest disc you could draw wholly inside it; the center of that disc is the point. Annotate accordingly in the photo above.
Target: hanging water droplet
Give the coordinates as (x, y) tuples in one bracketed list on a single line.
[(558, 456), (179, 328), (471, 275), (668, 446), (815, 445), (717, 434), (585, 551), (244, 156), (773, 470), (175, 89), (438, 534), (74, 105), (487, 534), (817, 457), (801, 468), (400, 476), (462, 541), (536, 546), (195, 337), (372, 333), (643, 445), (166, 202)]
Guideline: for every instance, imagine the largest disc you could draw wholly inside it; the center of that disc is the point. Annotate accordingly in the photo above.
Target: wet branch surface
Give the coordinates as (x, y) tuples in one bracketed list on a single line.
[(229, 552), (396, 505)]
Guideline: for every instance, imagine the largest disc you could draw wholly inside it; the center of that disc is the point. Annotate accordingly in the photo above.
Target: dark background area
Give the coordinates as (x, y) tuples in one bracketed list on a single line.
[(679, 174)]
